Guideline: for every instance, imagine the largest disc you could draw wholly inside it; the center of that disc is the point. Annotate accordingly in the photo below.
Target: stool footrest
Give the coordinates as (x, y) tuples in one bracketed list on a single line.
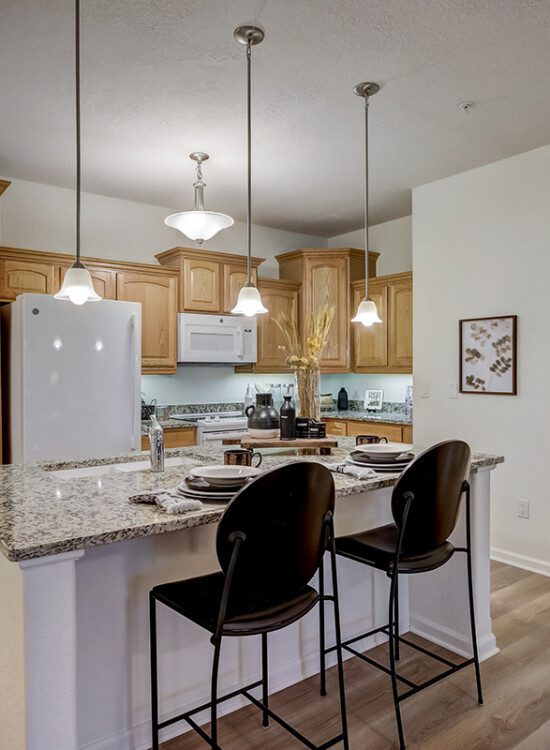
[(245, 692), (413, 687)]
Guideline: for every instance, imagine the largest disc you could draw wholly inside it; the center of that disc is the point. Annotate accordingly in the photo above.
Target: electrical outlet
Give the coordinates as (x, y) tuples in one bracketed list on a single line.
[(523, 509)]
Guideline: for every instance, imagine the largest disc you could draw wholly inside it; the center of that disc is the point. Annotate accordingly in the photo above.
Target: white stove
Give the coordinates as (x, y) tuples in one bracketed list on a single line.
[(213, 427)]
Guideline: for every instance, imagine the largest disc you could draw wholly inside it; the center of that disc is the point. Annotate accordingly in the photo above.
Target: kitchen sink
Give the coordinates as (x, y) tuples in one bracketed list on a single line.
[(98, 471)]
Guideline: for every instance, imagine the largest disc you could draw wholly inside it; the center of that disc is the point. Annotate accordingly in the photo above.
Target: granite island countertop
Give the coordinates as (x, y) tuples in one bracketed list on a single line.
[(44, 514)]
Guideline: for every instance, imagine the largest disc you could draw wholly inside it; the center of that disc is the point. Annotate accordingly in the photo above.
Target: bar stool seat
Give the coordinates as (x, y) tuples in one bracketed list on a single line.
[(199, 599), (378, 547)]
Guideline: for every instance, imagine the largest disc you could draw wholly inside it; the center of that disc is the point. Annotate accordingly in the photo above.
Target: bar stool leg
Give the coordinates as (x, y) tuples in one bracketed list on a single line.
[(392, 628), (341, 685), (214, 695), (397, 654), (265, 693), (322, 669), (154, 678)]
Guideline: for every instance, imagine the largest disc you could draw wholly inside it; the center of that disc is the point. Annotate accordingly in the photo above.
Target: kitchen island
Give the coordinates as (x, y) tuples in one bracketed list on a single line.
[(79, 560)]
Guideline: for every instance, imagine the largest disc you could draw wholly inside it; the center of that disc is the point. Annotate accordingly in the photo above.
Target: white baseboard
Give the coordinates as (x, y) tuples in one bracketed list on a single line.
[(521, 561), (452, 640)]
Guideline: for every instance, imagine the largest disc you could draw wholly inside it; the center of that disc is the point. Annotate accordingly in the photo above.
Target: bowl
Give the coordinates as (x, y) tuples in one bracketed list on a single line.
[(225, 476)]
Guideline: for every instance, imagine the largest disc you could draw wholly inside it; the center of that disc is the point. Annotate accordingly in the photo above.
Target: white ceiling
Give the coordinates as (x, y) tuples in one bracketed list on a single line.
[(162, 78)]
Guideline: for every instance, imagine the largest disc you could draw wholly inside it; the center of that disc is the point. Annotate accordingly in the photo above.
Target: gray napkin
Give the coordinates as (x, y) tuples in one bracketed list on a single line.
[(168, 500), (354, 471)]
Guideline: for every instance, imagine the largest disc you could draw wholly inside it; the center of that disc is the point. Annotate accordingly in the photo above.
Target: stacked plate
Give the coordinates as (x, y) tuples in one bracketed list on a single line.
[(382, 457), (217, 482)]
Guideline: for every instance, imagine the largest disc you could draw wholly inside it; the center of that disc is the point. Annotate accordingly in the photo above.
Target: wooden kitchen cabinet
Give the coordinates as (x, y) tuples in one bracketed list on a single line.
[(400, 323), (20, 275), (180, 437), (279, 297), (385, 347), (209, 282), (234, 276), (103, 279), (397, 433), (157, 294), (325, 275)]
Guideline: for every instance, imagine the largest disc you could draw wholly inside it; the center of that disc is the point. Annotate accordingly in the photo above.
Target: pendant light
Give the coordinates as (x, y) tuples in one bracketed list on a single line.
[(367, 314), (77, 285), (199, 225), (249, 301)]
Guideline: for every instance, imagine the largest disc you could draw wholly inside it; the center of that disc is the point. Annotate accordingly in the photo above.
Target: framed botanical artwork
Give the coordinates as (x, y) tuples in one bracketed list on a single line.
[(374, 399), (488, 355)]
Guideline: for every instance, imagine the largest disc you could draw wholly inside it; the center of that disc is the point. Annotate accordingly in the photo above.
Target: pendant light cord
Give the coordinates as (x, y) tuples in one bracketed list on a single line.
[(249, 158), (366, 196), (77, 109)]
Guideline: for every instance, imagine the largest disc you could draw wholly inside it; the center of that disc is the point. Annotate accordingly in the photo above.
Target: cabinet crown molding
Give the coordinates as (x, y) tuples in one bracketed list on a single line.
[(175, 253), (325, 251)]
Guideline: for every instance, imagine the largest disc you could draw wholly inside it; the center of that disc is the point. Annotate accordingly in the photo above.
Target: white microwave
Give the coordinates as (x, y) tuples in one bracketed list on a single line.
[(217, 339)]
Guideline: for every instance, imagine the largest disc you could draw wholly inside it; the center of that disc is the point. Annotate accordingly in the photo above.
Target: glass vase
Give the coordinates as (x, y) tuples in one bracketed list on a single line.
[(308, 387)]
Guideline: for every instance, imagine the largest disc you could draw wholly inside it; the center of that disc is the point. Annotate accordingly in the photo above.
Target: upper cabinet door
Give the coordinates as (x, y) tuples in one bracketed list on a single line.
[(371, 344), (400, 330), (19, 276), (103, 279), (201, 285), (158, 297), (328, 282), (277, 299), (234, 278)]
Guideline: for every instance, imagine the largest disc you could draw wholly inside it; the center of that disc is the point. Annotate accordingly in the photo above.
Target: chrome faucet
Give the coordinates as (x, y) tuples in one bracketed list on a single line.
[(156, 439)]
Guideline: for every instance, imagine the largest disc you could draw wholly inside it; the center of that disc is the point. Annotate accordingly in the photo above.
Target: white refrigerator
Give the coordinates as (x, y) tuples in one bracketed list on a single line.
[(73, 378)]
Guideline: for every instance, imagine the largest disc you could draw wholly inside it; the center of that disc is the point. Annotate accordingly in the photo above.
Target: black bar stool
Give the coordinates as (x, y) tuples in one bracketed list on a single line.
[(425, 505), (270, 542)]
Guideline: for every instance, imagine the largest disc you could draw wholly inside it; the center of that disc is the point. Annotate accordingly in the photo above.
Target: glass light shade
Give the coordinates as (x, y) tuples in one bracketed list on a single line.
[(78, 287), (249, 302), (199, 225), (367, 314)]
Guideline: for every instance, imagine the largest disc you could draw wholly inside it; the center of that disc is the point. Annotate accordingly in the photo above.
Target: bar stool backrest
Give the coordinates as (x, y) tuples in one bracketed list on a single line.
[(283, 516), (435, 478)]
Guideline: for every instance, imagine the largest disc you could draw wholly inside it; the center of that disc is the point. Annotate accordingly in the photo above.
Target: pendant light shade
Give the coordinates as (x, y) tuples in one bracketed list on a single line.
[(77, 286), (249, 301), (367, 314), (199, 225)]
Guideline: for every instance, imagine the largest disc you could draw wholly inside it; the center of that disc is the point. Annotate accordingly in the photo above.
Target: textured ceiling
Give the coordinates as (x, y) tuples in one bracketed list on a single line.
[(161, 78)]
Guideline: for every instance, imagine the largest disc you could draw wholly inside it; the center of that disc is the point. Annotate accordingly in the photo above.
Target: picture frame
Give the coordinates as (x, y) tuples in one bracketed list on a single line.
[(488, 355), (374, 399)]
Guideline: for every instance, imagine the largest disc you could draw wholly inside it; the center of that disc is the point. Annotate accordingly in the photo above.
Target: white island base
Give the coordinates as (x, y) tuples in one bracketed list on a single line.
[(74, 656)]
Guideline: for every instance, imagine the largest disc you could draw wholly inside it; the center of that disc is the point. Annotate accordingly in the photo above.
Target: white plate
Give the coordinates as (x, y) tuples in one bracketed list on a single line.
[(225, 476), (394, 468), (383, 449), (401, 458)]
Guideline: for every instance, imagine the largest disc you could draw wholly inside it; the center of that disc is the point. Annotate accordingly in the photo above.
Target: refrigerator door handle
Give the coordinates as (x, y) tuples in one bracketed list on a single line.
[(136, 387)]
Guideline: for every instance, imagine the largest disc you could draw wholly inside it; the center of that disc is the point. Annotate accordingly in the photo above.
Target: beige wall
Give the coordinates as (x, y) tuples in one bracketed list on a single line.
[(481, 247), (41, 217), (393, 239)]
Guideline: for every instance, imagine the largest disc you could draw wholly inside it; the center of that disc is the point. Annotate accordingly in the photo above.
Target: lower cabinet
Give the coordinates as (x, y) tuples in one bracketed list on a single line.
[(352, 427), (180, 437), (158, 295)]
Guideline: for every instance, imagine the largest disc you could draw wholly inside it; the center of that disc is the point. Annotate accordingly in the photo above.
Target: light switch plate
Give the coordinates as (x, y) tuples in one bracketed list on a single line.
[(425, 390), (453, 390)]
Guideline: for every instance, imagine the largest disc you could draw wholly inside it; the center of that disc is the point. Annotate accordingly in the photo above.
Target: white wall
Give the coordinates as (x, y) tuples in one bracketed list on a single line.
[(41, 217), (392, 238), (481, 247)]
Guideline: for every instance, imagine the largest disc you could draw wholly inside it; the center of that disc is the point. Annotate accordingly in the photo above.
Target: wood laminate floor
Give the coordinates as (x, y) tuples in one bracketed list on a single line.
[(446, 716)]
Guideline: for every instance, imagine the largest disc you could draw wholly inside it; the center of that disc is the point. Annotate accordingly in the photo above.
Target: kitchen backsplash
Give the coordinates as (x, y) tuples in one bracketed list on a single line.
[(211, 385)]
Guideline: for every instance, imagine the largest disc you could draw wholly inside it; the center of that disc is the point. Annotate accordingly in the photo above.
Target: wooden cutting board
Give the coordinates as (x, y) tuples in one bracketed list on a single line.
[(323, 444)]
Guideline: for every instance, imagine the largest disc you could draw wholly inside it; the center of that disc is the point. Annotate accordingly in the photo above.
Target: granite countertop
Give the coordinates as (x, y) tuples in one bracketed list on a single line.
[(167, 424), (43, 514), (361, 415)]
